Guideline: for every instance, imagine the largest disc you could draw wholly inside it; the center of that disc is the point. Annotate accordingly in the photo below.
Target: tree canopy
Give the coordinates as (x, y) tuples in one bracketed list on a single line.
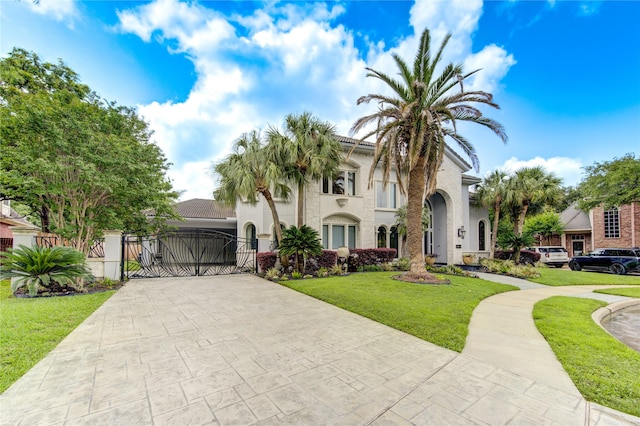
[(83, 163), (611, 183)]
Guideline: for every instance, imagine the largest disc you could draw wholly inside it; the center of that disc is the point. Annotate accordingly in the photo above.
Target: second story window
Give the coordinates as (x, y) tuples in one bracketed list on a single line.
[(612, 223), (386, 198), (343, 183)]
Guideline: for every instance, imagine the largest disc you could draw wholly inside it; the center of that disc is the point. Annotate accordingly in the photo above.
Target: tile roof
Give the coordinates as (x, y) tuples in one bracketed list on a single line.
[(575, 219), (15, 219), (203, 209)]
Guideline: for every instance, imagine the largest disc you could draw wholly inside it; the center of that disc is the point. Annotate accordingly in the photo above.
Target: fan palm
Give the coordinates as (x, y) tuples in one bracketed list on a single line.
[(412, 124), (49, 268), (249, 171), (307, 150), (490, 194)]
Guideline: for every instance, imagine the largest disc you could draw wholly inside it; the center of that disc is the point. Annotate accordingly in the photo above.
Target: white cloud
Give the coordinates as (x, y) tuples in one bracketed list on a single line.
[(60, 10), (254, 69), (193, 179), (494, 63), (568, 169)]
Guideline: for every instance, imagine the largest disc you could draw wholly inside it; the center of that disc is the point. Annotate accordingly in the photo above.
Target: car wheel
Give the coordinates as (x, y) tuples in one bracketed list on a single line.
[(575, 266), (618, 269)]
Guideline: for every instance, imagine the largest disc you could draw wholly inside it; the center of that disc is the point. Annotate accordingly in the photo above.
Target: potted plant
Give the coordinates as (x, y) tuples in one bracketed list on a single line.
[(430, 258), (468, 259)]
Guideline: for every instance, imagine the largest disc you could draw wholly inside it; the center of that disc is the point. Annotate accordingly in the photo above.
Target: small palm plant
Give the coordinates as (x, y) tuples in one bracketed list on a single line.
[(302, 242), (50, 268)]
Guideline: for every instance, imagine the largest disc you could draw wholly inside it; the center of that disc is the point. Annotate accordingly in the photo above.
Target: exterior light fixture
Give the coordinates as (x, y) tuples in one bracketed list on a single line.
[(461, 232)]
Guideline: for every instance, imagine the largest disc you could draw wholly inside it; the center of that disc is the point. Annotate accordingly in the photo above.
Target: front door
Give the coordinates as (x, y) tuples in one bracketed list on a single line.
[(578, 248)]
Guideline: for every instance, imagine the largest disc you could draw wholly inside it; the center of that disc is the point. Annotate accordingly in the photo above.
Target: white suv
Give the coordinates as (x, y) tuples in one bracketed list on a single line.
[(552, 255)]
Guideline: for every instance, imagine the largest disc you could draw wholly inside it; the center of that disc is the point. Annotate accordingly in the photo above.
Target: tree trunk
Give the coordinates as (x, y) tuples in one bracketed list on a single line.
[(300, 204), (494, 227), (415, 203), (44, 219), (276, 223)]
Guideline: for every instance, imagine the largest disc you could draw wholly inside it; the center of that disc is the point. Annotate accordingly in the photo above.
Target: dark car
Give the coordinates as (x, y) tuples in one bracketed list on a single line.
[(617, 260)]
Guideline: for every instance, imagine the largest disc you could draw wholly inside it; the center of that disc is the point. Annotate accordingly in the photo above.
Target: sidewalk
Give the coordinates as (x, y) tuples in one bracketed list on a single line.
[(239, 350)]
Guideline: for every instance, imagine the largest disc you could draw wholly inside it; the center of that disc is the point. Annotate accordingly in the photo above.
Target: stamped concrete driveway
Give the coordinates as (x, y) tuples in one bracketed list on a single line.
[(236, 350)]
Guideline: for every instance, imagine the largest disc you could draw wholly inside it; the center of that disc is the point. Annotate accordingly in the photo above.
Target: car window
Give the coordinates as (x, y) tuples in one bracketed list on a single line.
[(557, 250), (626, 253)]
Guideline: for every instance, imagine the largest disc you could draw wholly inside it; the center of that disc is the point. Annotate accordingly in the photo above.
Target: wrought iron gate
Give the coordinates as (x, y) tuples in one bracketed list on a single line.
[(187, 253)]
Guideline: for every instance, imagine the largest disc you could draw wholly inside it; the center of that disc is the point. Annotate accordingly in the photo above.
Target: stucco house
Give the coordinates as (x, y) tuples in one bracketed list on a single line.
[(347, 212)]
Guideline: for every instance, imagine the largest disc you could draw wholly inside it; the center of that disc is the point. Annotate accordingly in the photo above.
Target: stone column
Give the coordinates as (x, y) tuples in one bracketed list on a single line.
[(24, 235), (112, 254)]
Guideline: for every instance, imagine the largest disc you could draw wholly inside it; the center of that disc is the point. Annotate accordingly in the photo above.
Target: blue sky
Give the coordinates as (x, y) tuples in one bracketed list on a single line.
[(565, 74)]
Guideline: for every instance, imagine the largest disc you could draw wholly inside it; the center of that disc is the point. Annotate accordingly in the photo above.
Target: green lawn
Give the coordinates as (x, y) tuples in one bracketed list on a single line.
[(628, 292), (439, 314), (31, 328), (603, 369), (560, 277)]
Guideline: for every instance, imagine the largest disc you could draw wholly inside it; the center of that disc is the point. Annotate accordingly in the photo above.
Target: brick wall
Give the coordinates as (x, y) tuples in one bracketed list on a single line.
[(629, 227)]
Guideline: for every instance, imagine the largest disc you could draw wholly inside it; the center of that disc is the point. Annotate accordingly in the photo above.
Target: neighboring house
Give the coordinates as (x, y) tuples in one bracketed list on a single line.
[(9, 218), (347, 212), (600, 228), (200, 213)]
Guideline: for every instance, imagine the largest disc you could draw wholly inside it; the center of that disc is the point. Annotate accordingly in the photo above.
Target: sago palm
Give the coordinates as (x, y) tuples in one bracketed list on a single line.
[(44, 268), (302, 242), (249, 172), (307, 150), (413, 124)]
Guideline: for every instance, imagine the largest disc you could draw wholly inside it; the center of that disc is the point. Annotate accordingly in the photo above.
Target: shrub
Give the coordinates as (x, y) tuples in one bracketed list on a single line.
[(302, 243), (372, 268), (266, 260), (388, 266), (45, 269), (328, 258), (359, 258), (295, 275), (526, 256), (508, 267), (336, 270), (404, 264), (272, 274), (450, 270), (323, 272)]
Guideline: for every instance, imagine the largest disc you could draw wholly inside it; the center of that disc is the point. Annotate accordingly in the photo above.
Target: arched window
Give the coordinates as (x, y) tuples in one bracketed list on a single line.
[(393, 240), (382, 237), (481, 236), (251, 236)]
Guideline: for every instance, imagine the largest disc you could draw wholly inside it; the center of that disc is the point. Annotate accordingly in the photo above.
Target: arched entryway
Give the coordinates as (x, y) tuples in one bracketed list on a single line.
[(435, 239)]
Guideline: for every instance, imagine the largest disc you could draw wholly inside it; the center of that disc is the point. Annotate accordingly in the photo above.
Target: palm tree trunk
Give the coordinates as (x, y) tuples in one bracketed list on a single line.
[(300, 204), (494, 227), (415, 195), (276, 223)]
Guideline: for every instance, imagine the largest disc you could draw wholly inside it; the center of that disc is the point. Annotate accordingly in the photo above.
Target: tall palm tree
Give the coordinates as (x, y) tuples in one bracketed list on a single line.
[(531, 186), (411, 127), (307, 150), (248, 172), (490, 194)]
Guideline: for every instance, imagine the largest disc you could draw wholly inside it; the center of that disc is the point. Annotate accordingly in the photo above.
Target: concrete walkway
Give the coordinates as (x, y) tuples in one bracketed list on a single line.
[(239, 350)]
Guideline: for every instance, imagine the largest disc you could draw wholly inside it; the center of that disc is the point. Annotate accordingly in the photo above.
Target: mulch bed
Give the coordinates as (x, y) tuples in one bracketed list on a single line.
[(412, 277), (96, 287)]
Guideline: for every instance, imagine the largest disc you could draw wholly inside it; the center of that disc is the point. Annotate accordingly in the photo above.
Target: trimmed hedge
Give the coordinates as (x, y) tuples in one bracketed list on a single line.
[(358, 258)]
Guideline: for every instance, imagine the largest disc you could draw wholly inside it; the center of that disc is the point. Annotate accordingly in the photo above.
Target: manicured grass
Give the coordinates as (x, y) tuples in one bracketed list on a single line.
[(628, 292), (439, 314), (560, 277), (603, 369), (31, 328)]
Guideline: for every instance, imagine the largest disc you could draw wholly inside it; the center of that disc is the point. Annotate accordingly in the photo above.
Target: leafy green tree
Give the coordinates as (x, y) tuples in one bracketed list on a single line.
[(307, 150), (508, 239), (50, 269), (413, 124), (83, 163), (249, 172), (490, 193), (544, 224), (611, 183), (302, 242)]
